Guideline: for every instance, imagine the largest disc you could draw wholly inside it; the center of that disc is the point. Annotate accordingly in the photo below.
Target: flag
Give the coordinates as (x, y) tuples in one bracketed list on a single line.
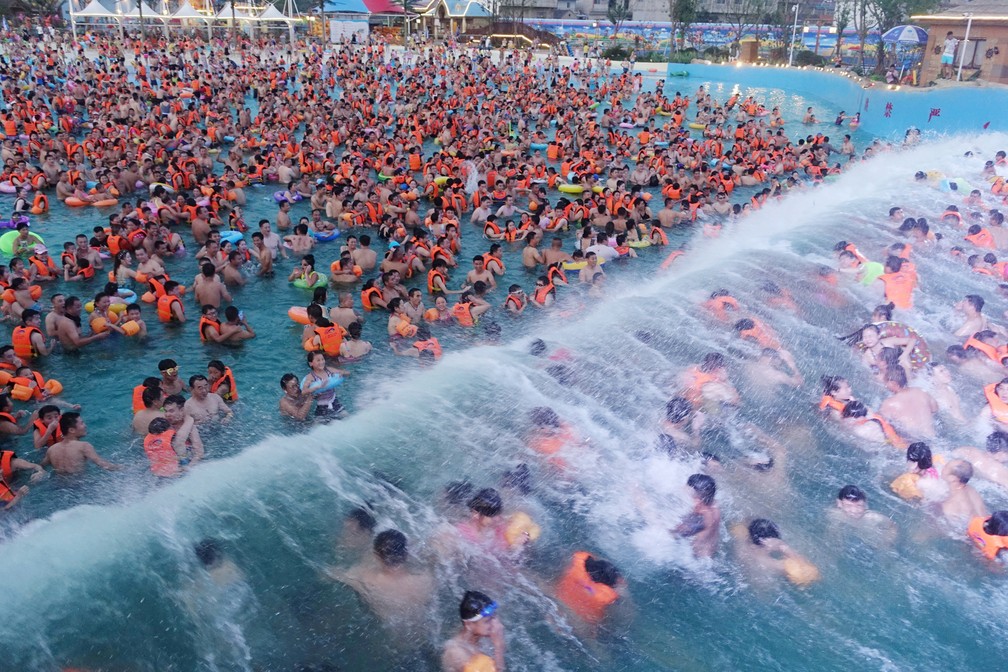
[(987, 125), (5, 24)]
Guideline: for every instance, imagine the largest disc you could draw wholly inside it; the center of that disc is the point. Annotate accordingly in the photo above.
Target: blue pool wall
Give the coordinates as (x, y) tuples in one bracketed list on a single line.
[(965, 108)]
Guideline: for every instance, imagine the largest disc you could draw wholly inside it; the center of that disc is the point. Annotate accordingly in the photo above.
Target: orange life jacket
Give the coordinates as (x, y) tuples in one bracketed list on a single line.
[(54, 438), (203, 324), (330, 339), (463, 313), (228, 378), (163, 458), (587, 599), (431, 344), (21, 340), (988, 544), (164, 307)]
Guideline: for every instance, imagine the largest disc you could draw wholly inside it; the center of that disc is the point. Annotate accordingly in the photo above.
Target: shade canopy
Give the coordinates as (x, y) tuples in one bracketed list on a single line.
[(95, 9), (905, 35)]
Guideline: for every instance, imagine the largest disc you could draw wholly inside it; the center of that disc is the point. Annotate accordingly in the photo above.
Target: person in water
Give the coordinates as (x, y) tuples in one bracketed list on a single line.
[(71, 455), (760, 547), (703, 524), (481, 628), (398, 594)]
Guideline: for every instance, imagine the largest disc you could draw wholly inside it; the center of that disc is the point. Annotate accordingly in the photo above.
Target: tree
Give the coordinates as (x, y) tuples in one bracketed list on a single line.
[(843, 20), (742, 15), (682, 14), (31, 7), (618, 11), (890, 13), (407, 8)]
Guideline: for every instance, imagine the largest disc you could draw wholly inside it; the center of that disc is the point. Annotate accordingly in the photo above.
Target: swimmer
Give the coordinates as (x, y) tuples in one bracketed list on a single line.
[(703, 524), (837, 392), (152, 400), (11, 465), (67, 327), (774, 368), (909, 408), (480, 623), (398, 594), (971, 307), (71, 455), (681, 427), (708, 383), (171, 383), (759, 546), (852, 507), (989, 534), (962, 503), (589, 587), (943, 394), (990, 464), (354, 348), (204, 405), (320, 383)]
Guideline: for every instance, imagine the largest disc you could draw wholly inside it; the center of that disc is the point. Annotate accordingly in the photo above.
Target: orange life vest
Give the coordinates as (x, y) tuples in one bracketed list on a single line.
[(21, 340), (228, 378), (163, 458), (431, 344), (164, 308), (988, 544), (587, 599)]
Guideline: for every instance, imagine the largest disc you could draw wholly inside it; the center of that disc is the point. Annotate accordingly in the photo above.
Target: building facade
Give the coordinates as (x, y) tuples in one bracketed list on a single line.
[(983, 56)]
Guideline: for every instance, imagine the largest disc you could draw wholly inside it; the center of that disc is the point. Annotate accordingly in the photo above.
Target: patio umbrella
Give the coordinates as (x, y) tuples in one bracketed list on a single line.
[(905, 35)]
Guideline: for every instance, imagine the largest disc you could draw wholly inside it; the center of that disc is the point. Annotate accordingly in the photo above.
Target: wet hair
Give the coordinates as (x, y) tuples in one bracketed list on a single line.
[(486, 502), (47, 409), (473, 602), (362, 518), (744, 324), (997, 442), (209, 553), (602, 571), (166, 364), (704, 486), (537, 348), (896, 374), (974, 300), (174, 400), (884, 310), (68, 421), (831, 384), (678, 409), (919, 453), (544, 416), (997, 524), (854, 409), (158, 426), (518, 479), (390, 547), (761, 529), (851, 493), (712, 361), (962, 470)]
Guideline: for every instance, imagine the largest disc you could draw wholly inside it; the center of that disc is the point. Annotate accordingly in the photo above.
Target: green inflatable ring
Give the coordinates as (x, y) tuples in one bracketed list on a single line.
[(7, 242), (323, 280)]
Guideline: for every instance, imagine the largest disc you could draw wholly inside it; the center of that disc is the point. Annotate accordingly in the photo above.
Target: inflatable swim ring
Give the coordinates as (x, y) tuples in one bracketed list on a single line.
[(537, 145), (298, 313), (679, 73), (231, 237), (323, 280), (571, 188), (640, 243), (697, 126), (325, 237), (7, 241), (13, 222), (578, 265)]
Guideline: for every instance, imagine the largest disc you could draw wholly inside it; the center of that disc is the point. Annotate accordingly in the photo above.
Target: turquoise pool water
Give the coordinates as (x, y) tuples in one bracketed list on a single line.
[(111, 583)]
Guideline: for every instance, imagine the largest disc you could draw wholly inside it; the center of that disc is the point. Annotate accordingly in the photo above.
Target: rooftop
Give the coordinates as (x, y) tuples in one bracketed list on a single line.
[(990, 10)]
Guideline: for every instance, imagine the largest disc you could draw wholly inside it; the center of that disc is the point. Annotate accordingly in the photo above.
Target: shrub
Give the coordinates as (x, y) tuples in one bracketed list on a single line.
[(616, 53), (809, 58)]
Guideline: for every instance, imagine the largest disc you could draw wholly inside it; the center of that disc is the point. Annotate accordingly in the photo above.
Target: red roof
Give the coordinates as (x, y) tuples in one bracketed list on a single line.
[(383, 7)]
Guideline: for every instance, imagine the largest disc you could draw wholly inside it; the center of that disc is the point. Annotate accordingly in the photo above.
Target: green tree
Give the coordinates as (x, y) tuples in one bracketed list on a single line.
[(843, 20), (743, 15), (618, 11), (682, 14), (31, 7)]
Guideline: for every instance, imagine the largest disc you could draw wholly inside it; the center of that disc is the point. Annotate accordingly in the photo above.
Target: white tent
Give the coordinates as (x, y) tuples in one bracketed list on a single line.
[(271, 13), (93, 10), (135, 13), (187, 11), (229, 11)]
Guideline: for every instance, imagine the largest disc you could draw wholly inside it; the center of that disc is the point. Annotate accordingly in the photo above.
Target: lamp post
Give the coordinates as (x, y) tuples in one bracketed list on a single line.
[(962, 54), (794, 34), (143, 31)]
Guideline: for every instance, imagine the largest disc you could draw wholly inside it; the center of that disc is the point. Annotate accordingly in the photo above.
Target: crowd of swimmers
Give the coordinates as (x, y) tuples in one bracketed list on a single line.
[(163, 139)]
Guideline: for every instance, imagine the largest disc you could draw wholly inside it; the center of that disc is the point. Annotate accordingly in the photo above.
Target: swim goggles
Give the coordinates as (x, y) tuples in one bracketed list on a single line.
[(486, 612), (171, 372)]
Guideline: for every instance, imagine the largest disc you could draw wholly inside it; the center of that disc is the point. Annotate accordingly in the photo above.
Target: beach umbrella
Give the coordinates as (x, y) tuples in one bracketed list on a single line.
[(905, 35)]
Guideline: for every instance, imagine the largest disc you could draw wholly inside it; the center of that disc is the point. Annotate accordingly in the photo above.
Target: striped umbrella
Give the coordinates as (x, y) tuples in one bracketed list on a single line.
[(905, 35)]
